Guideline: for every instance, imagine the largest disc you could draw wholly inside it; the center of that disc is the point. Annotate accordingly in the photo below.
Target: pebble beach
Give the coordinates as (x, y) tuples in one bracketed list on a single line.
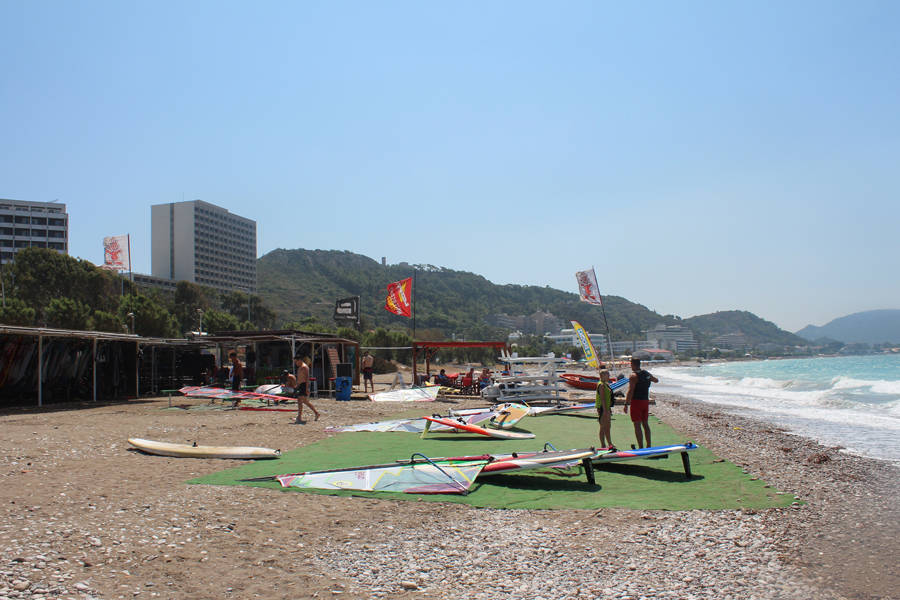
[(85, 517)]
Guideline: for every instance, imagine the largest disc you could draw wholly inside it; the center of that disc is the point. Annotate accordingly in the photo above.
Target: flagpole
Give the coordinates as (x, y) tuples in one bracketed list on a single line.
[(608, 336), (605, 322), (129, 263), (413, 300)]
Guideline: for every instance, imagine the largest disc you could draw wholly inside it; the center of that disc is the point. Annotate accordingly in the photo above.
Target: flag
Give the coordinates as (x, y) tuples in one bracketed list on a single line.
[(399, 298), (116, 255), (590, 355), (587, 287)]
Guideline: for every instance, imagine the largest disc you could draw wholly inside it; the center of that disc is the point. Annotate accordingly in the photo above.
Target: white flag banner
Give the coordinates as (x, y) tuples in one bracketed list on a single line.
[(116, 254), (587, 287)]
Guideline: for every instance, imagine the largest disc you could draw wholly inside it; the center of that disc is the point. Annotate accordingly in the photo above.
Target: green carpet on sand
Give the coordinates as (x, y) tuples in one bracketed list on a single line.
[(656, 484)]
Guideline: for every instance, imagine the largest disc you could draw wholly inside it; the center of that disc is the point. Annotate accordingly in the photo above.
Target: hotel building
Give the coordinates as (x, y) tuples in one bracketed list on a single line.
[(26, 224), (205, 244)]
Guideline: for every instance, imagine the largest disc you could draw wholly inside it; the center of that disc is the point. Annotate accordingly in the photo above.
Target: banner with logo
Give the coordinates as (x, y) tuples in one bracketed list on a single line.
[(588, 288), (116, 253), (590, 355), (347, 309), (399, 298)]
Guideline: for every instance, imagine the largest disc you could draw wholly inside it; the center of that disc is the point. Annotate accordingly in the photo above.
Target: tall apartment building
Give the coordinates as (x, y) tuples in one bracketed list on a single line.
[(26, 224), (205, 244)]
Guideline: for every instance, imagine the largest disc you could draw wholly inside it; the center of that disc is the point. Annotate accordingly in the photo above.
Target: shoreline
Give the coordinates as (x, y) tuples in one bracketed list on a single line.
[(105, 522)]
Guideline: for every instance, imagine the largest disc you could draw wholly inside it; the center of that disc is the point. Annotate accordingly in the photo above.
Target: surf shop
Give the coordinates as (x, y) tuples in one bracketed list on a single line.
[(266, 354), (43, 365)]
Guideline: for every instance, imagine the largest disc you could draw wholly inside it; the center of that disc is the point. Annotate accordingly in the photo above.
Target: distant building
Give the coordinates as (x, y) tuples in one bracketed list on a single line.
[(154, 282), (567, 337), (202, 243), (630, 347), (653, 354), (506, 321), (544, 322), (25, 224), (673, 337), (732, 341)]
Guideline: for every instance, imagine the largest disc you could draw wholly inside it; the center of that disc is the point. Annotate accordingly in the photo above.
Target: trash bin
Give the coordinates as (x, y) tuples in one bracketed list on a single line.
[(343, 387)]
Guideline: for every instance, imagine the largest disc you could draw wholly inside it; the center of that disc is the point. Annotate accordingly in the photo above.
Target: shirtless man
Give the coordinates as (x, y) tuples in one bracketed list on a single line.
[(368, 361), (303, 390)]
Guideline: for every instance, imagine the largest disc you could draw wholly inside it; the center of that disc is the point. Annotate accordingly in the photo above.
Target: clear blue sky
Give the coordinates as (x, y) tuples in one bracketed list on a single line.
[(702, 155)]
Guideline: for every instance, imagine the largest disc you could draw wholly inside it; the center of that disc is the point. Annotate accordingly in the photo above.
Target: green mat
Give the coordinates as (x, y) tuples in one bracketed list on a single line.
[(639, 484)]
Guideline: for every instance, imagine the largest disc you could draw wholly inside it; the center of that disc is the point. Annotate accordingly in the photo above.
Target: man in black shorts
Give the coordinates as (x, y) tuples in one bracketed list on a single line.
[(302, 390), (368, 362)]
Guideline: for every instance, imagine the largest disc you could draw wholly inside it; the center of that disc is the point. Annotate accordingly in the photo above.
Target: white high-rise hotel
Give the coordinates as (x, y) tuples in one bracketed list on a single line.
[(205, 244), (25, 224)]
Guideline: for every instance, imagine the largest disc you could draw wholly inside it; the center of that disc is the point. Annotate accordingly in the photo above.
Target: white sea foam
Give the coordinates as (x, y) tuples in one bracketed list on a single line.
[(855, 412)]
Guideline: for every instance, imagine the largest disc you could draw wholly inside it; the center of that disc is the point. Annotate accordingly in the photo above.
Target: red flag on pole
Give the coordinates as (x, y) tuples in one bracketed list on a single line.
[(399, 298)]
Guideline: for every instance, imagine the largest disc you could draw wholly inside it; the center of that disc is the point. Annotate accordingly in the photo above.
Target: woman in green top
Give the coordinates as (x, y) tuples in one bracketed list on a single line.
[(604, 408)]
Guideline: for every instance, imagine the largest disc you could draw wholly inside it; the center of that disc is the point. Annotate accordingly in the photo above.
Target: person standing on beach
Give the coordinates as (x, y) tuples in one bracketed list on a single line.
[(368, 362), (604, 409), (638, 399), (302, 390), (236, 374)]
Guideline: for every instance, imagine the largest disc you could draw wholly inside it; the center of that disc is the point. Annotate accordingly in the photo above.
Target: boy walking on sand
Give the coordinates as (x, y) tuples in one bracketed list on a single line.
[(302, 390), (638, 399)]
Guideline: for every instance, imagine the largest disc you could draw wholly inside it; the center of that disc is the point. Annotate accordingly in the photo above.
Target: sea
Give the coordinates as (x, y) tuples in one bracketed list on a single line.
[(851, 401)]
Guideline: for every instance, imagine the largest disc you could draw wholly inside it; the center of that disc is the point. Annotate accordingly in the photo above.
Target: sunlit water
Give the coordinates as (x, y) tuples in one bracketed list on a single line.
[(851, 401)]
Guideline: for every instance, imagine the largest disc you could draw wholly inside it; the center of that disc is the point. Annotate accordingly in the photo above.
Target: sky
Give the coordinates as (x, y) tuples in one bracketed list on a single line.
[(701, 155)]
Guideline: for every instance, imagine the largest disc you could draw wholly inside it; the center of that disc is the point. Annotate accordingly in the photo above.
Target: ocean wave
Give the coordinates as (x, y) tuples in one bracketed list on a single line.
[(879, 386), (859, 412)]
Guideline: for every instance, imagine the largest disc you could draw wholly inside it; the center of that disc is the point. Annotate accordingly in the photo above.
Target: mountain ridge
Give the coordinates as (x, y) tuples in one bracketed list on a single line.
[(866, 327), (301, 283)]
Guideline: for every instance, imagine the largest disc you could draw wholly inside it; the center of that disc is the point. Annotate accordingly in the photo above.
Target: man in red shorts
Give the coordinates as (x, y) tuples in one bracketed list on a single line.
[(638, 399)]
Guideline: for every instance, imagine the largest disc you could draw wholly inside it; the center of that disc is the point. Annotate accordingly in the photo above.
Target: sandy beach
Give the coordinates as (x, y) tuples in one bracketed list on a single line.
[(85, 517)]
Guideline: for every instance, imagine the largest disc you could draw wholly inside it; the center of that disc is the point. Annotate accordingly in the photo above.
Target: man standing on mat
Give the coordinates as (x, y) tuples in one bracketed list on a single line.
[(638, 399), (368, 362), (303, 390)]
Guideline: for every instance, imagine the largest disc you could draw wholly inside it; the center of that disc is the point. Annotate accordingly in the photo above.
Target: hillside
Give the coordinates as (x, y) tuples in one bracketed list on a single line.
[(868, 327), (301, 283), (305, 283), (756, 330)]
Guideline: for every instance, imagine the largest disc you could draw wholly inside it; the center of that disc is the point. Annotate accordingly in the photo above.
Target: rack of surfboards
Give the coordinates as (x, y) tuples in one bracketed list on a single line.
[(530, 379)]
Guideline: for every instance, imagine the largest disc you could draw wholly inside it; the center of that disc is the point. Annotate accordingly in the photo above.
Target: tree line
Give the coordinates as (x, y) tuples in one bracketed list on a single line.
[(43, 288)]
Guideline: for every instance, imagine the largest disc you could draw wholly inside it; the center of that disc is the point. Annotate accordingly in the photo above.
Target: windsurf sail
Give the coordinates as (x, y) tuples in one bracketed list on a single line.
[(413, 425), (223, 394), (426, 476), (590, 355), (422, 394)]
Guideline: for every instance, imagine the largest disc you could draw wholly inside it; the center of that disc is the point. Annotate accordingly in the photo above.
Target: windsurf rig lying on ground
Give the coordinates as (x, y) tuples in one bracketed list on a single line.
[(422, 475), (223, 394)]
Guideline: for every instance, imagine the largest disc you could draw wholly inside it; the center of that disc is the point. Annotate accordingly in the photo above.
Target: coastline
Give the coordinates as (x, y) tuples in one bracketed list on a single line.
[(105, 522)]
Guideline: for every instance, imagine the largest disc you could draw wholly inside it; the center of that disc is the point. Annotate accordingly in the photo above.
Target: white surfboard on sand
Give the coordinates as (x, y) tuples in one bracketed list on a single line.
[(190, 451)]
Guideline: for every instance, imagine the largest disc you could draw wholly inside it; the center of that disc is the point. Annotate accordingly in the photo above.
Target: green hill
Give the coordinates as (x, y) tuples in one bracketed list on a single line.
[(305, 283), (756, 331)]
